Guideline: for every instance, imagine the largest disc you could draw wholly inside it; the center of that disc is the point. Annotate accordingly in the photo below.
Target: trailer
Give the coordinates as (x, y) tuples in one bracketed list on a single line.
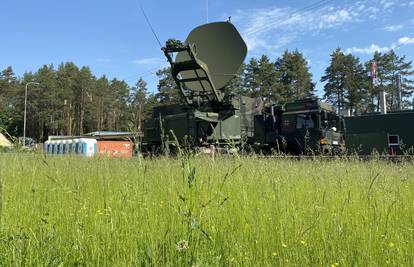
[(391, 133)]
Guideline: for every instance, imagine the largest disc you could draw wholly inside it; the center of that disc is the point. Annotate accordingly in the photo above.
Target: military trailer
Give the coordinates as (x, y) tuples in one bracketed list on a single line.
[(227, 126), (202, 66), (391, 133), (306, 126)]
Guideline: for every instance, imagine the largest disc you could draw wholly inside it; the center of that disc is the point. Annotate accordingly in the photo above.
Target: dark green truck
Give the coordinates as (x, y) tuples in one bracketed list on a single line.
[(306, 126)]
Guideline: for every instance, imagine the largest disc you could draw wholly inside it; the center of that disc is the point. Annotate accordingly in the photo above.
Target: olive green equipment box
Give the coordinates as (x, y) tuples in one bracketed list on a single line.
[(391, 133)]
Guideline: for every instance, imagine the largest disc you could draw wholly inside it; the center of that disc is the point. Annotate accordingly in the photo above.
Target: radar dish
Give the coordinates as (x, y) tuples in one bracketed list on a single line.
[(222, 50)]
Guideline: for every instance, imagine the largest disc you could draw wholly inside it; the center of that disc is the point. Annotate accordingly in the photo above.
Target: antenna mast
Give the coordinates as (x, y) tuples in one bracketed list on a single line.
[(149, 24)]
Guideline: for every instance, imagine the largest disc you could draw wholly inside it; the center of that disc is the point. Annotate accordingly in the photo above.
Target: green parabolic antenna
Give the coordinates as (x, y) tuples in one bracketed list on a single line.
[(222, 50)]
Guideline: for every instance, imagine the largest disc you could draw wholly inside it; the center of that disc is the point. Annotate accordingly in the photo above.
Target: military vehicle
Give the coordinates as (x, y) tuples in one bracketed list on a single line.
[(202, 66), (301, 127), (390, 133)]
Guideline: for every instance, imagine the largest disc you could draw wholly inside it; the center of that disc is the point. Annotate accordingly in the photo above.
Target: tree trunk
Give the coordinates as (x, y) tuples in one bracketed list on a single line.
[(80, 115)]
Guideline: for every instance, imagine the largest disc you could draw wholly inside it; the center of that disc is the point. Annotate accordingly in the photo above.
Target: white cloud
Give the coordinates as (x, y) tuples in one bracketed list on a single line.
[(386, 4), (152, 61), (335, 19), (270, 29), (406, 40), (393, 28), (376, 48), (367, 50)]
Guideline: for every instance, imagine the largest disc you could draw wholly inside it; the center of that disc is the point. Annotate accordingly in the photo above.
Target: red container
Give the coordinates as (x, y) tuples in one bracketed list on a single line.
[(116, 149)]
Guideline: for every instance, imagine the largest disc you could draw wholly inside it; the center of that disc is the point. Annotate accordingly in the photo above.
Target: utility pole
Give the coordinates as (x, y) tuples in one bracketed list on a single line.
[(399, 96), (382, 96), (25, 109)]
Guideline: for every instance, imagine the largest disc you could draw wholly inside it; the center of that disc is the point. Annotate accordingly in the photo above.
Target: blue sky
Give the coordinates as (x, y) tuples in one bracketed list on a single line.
[(113, 38)]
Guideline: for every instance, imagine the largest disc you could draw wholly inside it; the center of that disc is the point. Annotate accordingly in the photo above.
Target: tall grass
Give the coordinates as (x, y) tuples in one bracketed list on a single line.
[(192, 211)]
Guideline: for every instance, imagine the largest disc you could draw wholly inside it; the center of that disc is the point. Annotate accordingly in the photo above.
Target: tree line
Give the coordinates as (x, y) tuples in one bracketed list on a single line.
[(349, 82), (70, 100)]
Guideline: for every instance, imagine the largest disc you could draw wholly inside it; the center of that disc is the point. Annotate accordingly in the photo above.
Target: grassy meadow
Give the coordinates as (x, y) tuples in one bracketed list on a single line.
[(191, 211)]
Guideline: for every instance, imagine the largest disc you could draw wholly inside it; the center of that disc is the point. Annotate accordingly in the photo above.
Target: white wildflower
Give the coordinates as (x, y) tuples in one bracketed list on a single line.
[(182, 246)]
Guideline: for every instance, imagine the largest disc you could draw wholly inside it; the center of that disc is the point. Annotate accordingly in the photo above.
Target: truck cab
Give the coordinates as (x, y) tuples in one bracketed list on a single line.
[(310, 126), (306, 126)]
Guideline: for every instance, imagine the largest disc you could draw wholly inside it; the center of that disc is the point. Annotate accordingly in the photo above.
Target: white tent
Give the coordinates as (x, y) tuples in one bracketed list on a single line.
[(4, 142)]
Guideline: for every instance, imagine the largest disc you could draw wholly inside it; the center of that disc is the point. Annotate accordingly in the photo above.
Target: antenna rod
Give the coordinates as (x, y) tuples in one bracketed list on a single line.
[(149, 24)]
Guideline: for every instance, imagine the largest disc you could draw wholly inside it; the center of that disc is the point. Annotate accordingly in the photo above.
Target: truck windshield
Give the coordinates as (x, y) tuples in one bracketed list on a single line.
[(334, 121), (330, 120), (305, 121)]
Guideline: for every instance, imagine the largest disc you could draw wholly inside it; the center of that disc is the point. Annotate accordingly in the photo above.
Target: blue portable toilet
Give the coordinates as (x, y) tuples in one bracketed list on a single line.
[(63, 146), (66, 146), (50, 147), (75, 146), (59, 147), (54, 147), (46, 147), (89, 147), (78, 146), (69, 146)]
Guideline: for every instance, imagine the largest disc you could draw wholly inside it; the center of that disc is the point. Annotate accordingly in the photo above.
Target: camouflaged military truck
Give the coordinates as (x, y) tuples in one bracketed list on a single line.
[(306, 126)]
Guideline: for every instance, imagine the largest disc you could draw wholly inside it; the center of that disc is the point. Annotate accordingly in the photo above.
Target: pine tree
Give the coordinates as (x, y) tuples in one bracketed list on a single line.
[(8, 88), (81, 90), (356, 84), (102, 102), (168, 93), (346, 82), (393, 71), (120, 91), (44, 114), (260, 77), (397, 74), (139, 102), (236, 85), (295, 79), (267, 77), (66, 80), (251, 78)]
